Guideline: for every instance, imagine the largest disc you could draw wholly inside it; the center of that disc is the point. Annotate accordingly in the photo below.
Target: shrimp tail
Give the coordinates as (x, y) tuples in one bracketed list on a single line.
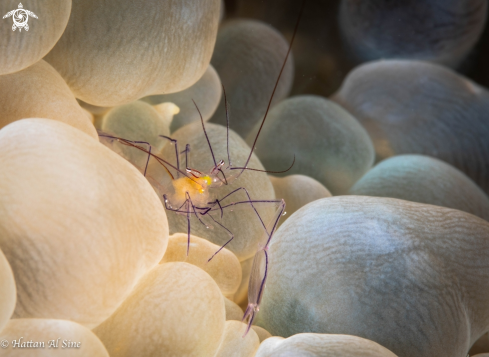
[(248, 317)]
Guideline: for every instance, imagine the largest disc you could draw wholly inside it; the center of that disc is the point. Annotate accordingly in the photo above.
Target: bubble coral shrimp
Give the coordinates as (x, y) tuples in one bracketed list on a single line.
[(189, 193)]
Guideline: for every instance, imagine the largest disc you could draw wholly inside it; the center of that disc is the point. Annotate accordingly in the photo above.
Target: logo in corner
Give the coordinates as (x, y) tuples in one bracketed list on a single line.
[(20, 17)]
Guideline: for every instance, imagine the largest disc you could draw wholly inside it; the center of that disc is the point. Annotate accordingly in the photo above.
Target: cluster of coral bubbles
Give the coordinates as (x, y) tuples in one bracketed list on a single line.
[(142, 213)]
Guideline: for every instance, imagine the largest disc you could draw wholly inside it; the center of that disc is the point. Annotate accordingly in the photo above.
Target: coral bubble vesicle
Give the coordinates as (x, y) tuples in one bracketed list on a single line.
[(50, 337), (28, 33), (176, 309), (406, 275), (301, 225), (248, 57), (39, 92), (441, 31), (423, 179), (78, 224), (7, 287), (328, 143), (414, 107), (322, 345), (114, 52)]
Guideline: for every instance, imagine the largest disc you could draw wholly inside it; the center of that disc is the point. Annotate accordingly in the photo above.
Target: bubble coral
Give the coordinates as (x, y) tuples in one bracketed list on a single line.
[(241, 295), (297, 191), (261, 333), (39, 92), (78, 224), (328, 143), (442, 31), (320, 345), (136, 121), (234, 344), (21, 50), (414, 107), (7, 287), (233, 311), (406, 275), (115, 52), (61, 334), (423, 179), (224, 268), (206, 92), (175, 310), (248, 57)]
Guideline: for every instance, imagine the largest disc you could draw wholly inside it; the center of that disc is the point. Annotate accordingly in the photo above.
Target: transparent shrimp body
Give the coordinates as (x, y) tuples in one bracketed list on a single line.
[(259, 268), (197, 188), (190, 196)]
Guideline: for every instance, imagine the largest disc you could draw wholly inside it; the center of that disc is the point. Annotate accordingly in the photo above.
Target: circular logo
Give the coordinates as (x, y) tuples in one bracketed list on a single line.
[(20, 17), (4, 344)]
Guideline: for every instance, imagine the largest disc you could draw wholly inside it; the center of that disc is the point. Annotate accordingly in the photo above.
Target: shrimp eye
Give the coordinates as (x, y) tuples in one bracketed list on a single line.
[(207, 180)]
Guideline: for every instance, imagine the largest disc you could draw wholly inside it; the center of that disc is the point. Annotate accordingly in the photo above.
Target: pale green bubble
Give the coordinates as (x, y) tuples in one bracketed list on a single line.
[(137, 121), (423, 179), (329, 144), (206, 93), (248, 57)]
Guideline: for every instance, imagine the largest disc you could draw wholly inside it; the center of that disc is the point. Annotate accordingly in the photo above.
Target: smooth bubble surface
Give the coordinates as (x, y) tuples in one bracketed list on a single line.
[(233, 311), (423, 179), (241, 295), (175, 310), (7, 287), (320, 345), (69, 260), (23, 47), (354, 264), (126, 51), (39, 92), (63, 337), (140, 122), (261, 333), (235, 344), (248, 58), (224, 268), (137, 121), (297, 191), (329, 145), (413, 107), (95, 110), (206, 93)]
